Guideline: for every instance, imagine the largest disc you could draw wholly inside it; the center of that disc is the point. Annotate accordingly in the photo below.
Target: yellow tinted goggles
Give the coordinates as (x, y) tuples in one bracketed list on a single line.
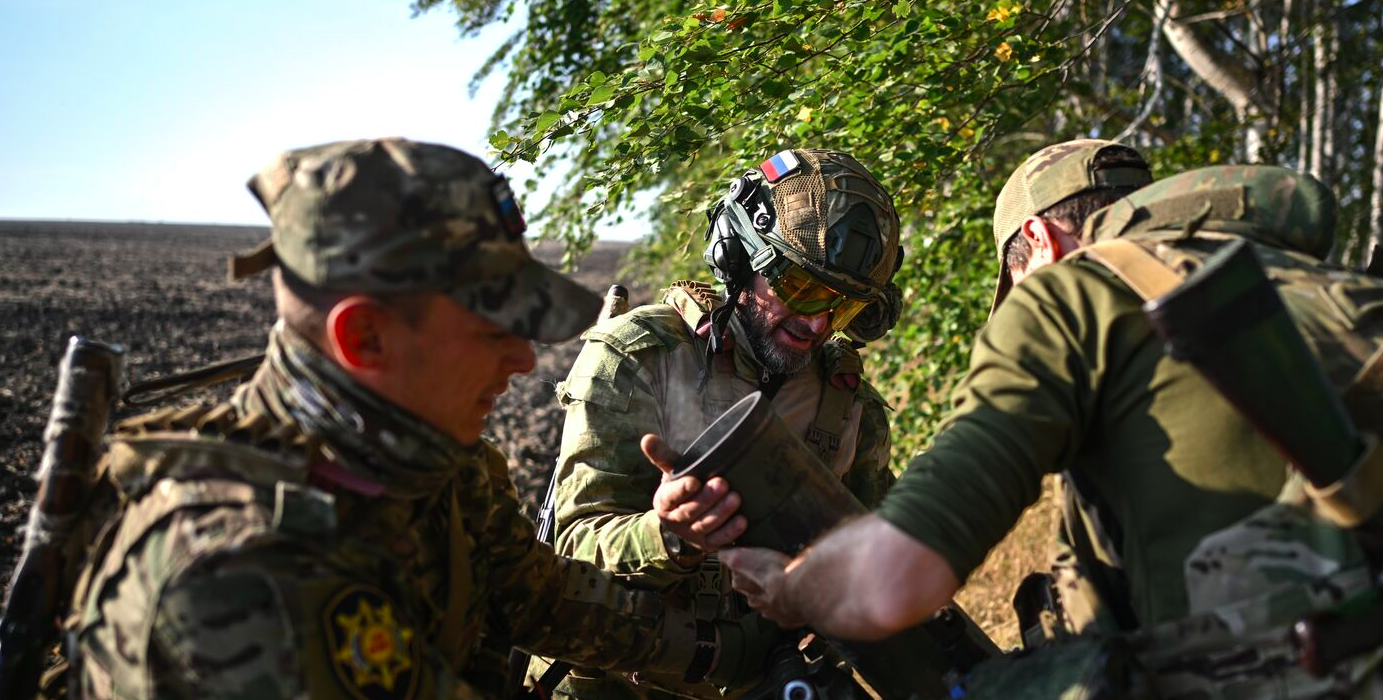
[(806, 295)]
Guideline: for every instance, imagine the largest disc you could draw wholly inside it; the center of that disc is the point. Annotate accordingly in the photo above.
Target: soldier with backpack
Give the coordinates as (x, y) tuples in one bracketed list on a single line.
[(1218, 550)]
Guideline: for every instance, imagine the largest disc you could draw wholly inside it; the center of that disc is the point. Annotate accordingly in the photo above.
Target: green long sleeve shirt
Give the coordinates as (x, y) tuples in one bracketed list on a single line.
[(1069, 375)]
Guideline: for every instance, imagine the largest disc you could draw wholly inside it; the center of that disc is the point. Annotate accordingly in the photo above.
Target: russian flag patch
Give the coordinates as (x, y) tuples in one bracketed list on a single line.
[(779, 166)]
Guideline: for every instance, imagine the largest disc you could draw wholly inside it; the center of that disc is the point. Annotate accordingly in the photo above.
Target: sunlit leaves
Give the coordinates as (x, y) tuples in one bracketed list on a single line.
[(678, 97)]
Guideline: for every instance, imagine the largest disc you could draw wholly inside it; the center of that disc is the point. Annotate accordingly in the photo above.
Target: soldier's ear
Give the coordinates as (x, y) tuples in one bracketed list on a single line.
[(355, 332), (1044, 240)]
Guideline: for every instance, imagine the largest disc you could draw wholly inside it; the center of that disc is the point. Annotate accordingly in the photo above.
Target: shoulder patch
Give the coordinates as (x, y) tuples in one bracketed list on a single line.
[(373, 655), (651, 325)]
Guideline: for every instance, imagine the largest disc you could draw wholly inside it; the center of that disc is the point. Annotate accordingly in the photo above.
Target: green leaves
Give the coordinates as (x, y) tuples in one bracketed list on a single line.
[(545, 121), (676, 97), (600, 94)]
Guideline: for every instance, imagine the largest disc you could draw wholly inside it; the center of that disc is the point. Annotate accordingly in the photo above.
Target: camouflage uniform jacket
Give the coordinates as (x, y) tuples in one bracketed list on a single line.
[(637, 374), (239, 563)]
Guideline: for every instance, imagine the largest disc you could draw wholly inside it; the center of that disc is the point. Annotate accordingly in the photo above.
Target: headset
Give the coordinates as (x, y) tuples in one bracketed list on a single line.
[(739, 229), (737, 226)]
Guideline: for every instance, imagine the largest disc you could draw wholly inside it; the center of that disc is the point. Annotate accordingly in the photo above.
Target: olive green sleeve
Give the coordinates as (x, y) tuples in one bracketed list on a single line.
[(1019, 414), (605, 485), (871, 472)]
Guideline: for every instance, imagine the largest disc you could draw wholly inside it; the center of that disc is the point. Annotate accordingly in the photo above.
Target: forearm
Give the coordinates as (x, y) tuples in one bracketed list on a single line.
[(584, 616), (631, 546), (867, 580), (604, 492)]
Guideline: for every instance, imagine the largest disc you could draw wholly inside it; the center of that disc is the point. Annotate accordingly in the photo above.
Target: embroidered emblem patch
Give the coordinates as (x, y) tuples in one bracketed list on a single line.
[(373, 655)]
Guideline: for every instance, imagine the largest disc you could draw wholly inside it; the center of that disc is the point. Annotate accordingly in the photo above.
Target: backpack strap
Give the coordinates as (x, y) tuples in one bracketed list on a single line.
[(837, 400), (1145, 273)]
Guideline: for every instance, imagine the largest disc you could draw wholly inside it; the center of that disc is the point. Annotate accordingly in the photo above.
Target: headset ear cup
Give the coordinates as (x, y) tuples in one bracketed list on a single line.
[(879, 317), (729, 258)]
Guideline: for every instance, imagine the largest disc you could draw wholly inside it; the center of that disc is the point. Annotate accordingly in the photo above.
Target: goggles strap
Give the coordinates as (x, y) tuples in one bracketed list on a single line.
[(743, 226)]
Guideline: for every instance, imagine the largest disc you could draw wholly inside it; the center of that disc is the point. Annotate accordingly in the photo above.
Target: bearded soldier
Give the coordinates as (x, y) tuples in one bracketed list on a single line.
[(805, 246), (338, 528), (1218, 552)]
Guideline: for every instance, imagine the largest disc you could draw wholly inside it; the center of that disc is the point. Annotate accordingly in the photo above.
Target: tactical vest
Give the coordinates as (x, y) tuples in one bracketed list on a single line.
[(830, 422), (831, 426), (252, 471)]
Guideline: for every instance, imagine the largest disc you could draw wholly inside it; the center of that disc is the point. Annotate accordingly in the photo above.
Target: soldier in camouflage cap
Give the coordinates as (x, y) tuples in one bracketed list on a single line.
[(1217, 551), (805, 246), (388, 216), (1040, 210), (338, 528)]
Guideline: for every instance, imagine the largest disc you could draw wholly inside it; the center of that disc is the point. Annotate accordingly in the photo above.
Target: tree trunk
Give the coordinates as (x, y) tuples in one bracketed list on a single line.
[(1257, 132), (1375, 258), (1232, 78), (1323, 116), (1304, 151)]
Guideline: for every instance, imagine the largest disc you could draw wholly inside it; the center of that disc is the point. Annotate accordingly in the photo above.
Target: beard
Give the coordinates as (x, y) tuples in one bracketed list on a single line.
[(773, 356)]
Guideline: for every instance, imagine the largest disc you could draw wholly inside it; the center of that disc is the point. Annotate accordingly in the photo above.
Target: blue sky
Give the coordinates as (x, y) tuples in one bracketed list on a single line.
[(160, 110)]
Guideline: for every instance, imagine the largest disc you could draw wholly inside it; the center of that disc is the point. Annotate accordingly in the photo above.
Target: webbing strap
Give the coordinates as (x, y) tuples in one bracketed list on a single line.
[(1150, 278), (827, 426), (1358, 496), (1143, 272), (460, 580), (1364, 397)]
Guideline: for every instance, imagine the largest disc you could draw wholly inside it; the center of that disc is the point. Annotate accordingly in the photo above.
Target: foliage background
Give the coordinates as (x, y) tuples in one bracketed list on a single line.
[(941, 99)]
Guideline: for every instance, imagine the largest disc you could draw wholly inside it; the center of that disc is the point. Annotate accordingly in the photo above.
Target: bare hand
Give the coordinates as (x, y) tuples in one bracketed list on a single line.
[(703, 516), (761, 575)]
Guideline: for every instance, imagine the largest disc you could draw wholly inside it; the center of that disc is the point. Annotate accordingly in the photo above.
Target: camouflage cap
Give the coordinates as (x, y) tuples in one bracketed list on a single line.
[(833, 218), (1046, 178), (392, 215)]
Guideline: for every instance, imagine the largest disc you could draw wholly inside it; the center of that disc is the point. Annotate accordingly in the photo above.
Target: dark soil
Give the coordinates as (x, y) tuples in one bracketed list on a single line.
[(161, 291)]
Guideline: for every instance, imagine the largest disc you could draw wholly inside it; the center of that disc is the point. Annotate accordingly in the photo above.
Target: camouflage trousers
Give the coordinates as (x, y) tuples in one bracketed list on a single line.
[(1246, 586), (1220, 655)]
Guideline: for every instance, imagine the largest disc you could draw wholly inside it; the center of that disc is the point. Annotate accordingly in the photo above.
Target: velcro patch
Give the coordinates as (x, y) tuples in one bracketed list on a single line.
[(780, 166), (373, 655)]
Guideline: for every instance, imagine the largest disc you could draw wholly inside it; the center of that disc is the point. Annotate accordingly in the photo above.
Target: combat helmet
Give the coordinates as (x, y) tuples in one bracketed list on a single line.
[(821, 230)]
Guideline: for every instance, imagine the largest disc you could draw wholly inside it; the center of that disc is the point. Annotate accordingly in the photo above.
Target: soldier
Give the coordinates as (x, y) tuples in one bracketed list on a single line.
[(338, 528), (1069, 375), (1037, 224), (805, 246)]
